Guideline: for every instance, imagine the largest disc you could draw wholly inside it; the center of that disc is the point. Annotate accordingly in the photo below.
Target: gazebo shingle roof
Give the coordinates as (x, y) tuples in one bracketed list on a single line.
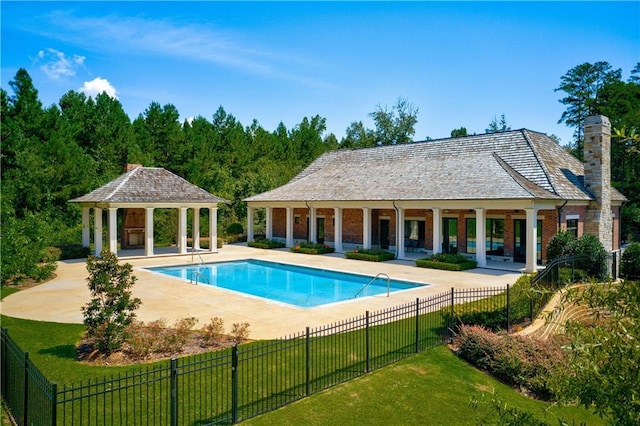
[(149, 185), (518, 164)]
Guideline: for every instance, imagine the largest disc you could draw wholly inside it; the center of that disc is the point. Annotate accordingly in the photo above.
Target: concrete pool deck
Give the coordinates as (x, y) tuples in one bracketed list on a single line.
[(61, 299)]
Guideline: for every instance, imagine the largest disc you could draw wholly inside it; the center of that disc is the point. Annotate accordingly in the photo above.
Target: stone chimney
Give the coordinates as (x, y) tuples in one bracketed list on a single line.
[(597, 179)]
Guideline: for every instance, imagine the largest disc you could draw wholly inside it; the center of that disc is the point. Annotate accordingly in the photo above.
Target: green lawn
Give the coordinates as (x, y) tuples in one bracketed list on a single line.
[(431, 388)]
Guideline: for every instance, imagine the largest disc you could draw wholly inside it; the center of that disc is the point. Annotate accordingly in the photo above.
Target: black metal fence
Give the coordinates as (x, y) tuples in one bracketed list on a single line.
[(234, 384)]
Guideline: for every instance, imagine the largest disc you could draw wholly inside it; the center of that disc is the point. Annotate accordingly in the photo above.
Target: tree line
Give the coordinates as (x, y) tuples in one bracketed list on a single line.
[(53, 154)]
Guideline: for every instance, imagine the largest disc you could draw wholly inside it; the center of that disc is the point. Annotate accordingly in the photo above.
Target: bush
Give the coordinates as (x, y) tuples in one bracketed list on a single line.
[(311, 248), (74, 251), (111, 308), (630, 262), (263, 243), (595, 256), (213, 332), (517, 360), (235, 229), (239, 332), (371, 255), (447, 262), (560, 245)]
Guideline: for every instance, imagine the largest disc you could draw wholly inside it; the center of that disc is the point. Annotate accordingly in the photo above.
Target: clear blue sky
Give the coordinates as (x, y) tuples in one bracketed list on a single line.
[(460, 63)]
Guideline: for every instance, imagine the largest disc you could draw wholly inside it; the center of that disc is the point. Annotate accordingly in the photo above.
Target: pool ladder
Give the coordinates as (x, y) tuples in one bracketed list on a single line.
[(381, 274), (198, 273)]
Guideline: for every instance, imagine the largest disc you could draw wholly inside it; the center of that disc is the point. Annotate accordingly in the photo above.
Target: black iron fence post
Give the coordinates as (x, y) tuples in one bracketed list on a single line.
[(3, 368), (25, 413), (508, 310), (307, 363), (452, 320), (417, 325), (234, 384), (367, 342), (54, 404), (174, 391)]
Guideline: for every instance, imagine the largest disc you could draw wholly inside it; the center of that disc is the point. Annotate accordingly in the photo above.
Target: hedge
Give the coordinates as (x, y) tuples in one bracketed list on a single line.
[(265, 244), (371, 255), (311, 248), (434, 264)]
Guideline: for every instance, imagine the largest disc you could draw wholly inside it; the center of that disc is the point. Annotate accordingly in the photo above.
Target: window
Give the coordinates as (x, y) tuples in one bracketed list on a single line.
[(572, 227), (471, 235), (495, 237)]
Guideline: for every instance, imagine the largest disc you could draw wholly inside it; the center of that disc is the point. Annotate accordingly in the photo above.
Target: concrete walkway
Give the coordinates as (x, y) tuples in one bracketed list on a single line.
[(61, 299)]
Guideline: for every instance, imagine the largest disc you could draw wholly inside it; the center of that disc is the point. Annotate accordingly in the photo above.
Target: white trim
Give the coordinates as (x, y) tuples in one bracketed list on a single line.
[(572, 217)]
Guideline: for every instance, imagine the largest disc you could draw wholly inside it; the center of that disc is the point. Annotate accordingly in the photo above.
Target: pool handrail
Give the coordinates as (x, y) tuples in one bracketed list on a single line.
[(372, 280)]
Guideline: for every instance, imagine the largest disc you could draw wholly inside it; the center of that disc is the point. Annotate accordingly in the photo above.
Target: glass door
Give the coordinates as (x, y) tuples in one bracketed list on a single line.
[(450, 235)]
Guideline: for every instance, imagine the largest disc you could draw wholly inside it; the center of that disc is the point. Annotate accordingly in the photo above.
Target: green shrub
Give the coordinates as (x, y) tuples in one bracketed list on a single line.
[(74, 251), (630, 262), (264, 243), (371, 255), (447, 262), (595, 256), (235, 229), (518, 360), (213, 332), (560, 245), (307, 247)]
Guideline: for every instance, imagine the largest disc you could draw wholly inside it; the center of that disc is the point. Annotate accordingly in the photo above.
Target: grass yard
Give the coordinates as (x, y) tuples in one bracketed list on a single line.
[(431, 388)]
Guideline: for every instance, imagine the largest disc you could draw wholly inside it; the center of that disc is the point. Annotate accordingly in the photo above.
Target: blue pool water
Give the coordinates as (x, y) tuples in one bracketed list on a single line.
[(295, 285)]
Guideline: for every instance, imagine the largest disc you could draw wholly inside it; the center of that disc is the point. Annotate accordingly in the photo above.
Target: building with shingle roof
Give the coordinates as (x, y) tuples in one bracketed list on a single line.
[(138, 192), (513, 190)]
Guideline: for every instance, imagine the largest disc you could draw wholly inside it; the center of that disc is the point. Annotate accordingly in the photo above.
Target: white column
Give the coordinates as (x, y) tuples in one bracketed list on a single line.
[(148, 232), (481, 237), (213, 229), (97, 231), (86, 234), (437, 233), (269, 224), (182, 230), (113, 230), (400, 232), (196, 228), (337, 229), (366, 228), (532, 244), (312, 225), (289, 230), (249, 224)]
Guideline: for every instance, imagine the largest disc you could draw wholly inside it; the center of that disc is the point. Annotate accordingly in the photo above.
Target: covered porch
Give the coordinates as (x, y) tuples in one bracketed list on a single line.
[(513, 231)]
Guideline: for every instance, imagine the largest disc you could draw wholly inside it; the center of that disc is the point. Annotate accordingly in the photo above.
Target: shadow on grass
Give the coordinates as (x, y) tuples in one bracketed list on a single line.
[(60, 351)]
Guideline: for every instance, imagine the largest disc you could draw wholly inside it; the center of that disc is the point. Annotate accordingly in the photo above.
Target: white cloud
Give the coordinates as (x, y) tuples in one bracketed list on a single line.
[(56, 64), (97, 86)]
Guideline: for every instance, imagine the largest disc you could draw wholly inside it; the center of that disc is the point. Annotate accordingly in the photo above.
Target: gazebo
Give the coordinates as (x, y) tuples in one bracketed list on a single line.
[(139, 191)]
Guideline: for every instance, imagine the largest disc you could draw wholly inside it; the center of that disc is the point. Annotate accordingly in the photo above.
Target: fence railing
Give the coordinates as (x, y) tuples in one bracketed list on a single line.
[(234, 384)]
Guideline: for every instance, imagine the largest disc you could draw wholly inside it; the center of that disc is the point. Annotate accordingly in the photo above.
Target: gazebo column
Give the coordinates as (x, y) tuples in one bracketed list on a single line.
[(268, 224), (481, 237), (86, 231), (437, 234), (366, 228), (148, 232), (196, 228), (250, 236), (400, 232), (312, 225), (213, 229), (289, 225), (97, 231), (337, 239), (532, 237), (182, 230), (113, 230)]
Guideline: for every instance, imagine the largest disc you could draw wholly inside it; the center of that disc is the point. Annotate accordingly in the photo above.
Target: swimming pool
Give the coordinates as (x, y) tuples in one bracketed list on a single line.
[(295, 285)]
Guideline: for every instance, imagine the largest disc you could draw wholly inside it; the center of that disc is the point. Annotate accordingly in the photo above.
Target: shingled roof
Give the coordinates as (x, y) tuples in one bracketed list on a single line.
[(519, 164), (149, 185)]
